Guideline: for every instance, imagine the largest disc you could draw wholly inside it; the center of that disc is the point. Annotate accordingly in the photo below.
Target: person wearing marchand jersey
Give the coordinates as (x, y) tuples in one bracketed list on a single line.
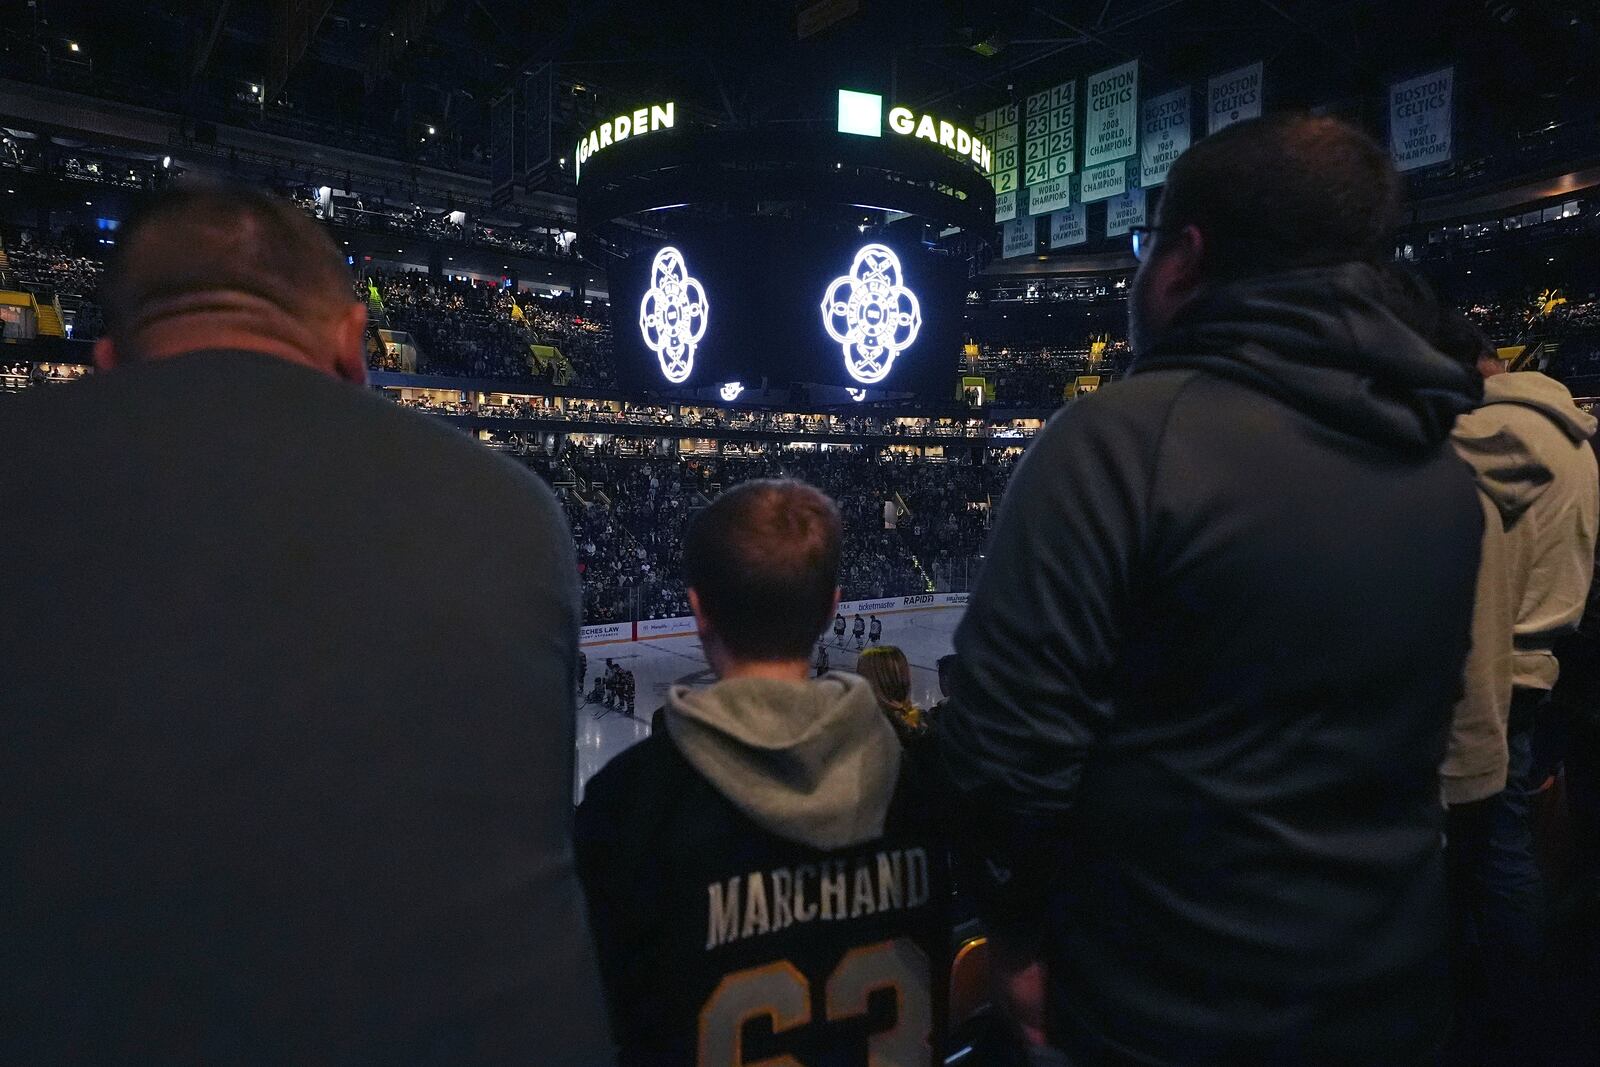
[(766, 877)]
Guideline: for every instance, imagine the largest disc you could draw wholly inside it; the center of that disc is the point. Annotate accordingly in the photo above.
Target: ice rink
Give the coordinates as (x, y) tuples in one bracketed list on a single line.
[(923, 635)]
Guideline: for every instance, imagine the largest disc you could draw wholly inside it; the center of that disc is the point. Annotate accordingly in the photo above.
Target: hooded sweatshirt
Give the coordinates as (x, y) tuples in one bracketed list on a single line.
[(771, 831), (1551, 543), (813, 762), (1205, 681), (1510, 477)]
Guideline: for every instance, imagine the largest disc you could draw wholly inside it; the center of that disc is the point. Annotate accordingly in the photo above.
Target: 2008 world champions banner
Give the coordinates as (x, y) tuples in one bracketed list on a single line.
[(1111, 121)]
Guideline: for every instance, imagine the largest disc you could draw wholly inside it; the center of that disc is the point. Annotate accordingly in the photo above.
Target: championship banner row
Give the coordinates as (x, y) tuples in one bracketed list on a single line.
[(1129, 146)]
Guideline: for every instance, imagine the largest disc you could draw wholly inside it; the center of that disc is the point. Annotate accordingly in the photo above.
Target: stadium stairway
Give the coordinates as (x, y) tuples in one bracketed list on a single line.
[(49, 319), (375, 311)]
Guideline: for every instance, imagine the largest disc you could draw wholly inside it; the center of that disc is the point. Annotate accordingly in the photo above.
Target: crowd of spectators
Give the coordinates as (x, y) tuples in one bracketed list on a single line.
[(53, 262), (628, 413), (434, 225), (476, 329), (628, 516)]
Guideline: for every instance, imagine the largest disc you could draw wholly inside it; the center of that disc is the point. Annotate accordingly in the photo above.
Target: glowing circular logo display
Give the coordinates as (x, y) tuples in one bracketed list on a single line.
[(872, 315), (731, 391), (673, 314)]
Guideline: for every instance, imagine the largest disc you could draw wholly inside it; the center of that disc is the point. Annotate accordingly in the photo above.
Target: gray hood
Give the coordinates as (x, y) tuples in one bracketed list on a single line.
[(1509, 470), (1545, 395), (814, 762)]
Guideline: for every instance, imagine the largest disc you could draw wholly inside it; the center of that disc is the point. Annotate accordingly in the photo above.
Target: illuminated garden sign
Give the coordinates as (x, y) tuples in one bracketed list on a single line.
[(640, 121), (862, 114), (871, 314)]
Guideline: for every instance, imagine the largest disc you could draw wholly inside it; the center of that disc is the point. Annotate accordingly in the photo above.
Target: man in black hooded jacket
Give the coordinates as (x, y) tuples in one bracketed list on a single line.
[(1205, 680)]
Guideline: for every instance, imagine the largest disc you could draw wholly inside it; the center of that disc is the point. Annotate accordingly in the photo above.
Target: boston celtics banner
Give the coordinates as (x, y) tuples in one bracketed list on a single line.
[(1233, 97), (1111, 119), (1421, 120), (1053, 195), (1124, 212), (1069, 227), (1102, 183), (1163, 135), (1005, 206), (1018, 240)]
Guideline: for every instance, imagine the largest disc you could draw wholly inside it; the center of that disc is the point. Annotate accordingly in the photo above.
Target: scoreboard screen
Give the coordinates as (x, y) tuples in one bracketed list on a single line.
[(748, 300)]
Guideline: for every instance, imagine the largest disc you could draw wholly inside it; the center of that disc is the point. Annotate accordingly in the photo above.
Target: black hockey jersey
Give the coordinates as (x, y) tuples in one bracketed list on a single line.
[(722, 943)]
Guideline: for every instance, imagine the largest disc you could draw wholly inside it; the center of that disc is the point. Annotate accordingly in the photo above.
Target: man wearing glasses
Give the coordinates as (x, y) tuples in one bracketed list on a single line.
[(1205, 680)]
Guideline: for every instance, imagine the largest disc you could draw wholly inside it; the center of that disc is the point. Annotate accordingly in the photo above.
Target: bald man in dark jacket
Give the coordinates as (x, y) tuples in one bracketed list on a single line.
[(286, 725)]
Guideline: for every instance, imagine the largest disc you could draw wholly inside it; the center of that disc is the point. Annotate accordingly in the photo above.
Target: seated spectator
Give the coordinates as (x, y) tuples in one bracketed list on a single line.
[(268, 796), (763, 865)]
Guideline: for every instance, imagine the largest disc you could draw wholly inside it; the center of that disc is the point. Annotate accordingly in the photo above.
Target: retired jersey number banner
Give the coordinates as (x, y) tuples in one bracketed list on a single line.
[(1018, 239), (997, 130), (1233, 97), (1163, 135), (1050, 134), (1124, 212), (1421, 120), (1111, 123), (1103, 183), (1069, 227)]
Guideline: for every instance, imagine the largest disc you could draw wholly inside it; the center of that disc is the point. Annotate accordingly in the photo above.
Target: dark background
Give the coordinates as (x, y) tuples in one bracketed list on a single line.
[(764, 281)]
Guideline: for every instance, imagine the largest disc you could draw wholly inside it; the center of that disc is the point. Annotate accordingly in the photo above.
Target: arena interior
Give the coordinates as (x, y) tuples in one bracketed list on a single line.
[(650, 253)]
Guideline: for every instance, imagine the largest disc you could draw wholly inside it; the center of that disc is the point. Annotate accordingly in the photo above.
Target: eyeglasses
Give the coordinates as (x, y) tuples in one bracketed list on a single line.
[(1140, 236)]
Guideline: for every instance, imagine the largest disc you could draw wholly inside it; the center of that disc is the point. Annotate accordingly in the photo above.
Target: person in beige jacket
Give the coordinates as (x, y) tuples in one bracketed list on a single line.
[(1528, 444)]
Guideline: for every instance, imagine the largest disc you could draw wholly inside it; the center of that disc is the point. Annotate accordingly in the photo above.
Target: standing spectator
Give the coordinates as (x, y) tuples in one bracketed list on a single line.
[(947, 666), (769, 858), (264, 801), (1550, 545), (885, 668), (1206, 677)]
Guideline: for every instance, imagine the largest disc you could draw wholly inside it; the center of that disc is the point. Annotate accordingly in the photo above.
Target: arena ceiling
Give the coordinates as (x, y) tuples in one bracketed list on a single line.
[(390, 71)]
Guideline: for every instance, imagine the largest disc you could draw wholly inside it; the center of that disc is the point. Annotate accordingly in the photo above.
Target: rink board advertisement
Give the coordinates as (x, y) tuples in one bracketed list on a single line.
[(656, 629), (653, 628), (605, 633)]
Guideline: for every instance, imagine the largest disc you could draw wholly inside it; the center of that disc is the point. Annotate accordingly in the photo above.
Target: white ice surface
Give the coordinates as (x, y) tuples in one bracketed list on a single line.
[(924, 636)]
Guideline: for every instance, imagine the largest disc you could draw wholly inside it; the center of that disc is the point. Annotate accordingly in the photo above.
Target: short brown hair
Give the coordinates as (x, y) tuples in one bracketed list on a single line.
[(203, 238), (1284, 192), (763, 561)]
